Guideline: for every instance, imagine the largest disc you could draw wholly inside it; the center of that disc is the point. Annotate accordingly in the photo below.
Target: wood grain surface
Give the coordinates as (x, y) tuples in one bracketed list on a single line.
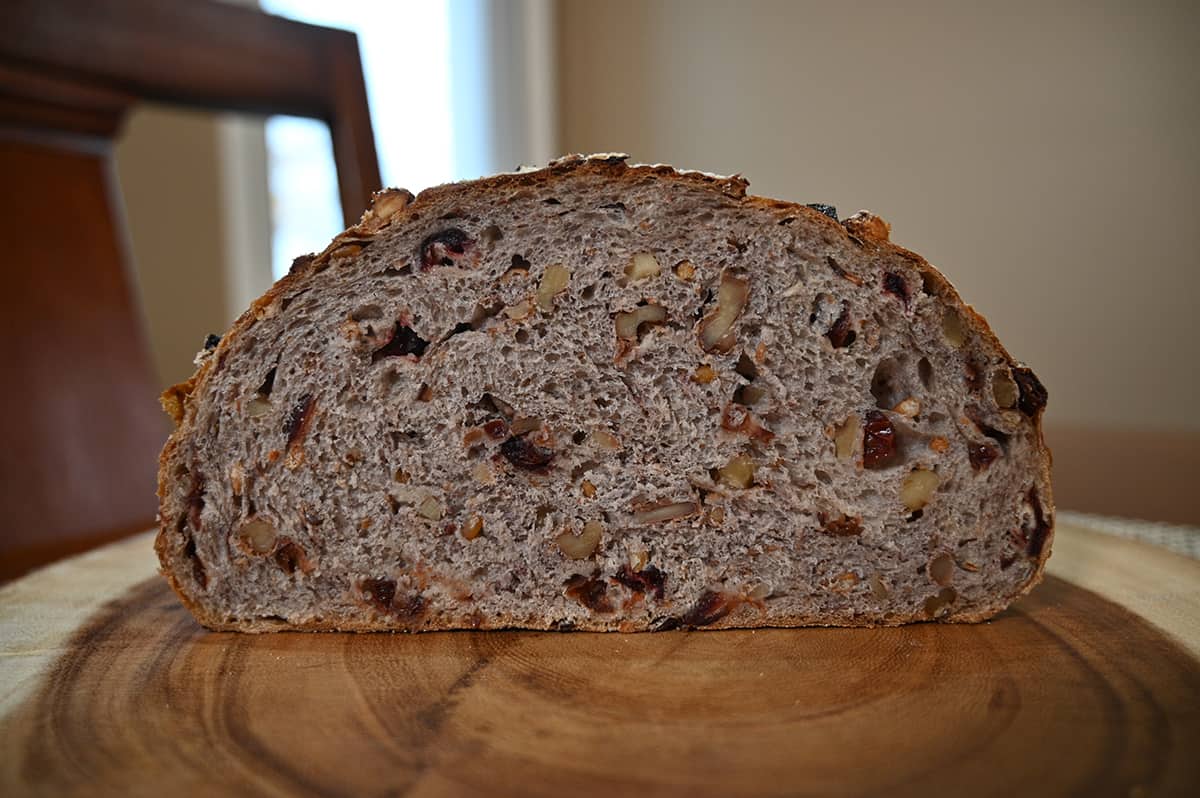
[(1066, 693)]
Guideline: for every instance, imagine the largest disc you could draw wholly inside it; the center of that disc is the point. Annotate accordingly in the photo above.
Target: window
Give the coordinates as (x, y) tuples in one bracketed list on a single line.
[(422, 85)]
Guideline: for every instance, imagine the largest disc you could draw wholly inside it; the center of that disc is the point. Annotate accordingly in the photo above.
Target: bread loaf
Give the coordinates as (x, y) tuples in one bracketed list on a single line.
[(605, 397)]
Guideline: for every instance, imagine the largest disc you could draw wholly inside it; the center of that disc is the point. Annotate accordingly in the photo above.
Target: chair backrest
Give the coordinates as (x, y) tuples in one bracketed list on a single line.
[(79, 424)]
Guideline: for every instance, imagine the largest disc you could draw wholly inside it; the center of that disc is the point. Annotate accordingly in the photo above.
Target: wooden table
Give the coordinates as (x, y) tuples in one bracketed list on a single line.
[(1089, 686)]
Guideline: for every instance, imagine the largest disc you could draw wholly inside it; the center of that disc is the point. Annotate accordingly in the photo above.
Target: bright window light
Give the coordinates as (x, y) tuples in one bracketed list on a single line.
[(418, 84)]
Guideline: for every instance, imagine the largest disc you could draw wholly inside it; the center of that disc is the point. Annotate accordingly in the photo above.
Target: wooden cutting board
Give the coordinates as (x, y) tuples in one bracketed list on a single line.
[(107, 686)]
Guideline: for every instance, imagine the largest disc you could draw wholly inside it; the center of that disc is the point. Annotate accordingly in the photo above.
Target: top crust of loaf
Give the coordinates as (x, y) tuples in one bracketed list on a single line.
[(396, 206)]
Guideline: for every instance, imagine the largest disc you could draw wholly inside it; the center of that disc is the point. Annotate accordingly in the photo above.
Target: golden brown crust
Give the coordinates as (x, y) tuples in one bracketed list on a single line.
[(392, 206)]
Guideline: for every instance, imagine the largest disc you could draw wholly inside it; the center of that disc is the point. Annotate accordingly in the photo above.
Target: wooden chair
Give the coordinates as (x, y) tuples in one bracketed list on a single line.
[(80, 428)]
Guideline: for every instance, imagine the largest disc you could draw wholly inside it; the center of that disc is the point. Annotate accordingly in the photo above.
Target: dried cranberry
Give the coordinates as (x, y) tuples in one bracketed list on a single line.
[(524, 454), (443, 248), (879, 440), (842, 526), (497, 428), (379, 592), (590, 592), (709, 608), (1033, 394), (981, 455), (403, 342), (299, 420), (289, 556), (841, 334), (1041, 529), (408, 607), (647, 580), (894, 284)]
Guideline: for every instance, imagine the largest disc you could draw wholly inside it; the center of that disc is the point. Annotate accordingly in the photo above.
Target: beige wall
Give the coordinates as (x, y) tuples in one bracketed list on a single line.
[(167, 166), (1043, 155), (194, 186)]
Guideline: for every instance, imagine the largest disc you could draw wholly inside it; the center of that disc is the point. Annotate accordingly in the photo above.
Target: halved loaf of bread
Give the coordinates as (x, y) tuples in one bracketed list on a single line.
[(608, 397)]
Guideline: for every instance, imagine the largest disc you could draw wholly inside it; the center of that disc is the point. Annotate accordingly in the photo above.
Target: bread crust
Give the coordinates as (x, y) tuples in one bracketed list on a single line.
[(396, 206)]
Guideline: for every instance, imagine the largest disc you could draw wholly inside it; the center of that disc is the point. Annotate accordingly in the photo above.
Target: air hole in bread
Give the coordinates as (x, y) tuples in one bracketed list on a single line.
[(459, 328), (404, 342), (268, 383), (366, 313), (198, 571), (745, 366), (888, 384), (490, 235), (925, 373)]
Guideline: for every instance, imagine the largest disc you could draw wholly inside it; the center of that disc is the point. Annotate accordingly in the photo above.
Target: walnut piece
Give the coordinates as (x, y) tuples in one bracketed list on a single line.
[(603, 439), (917, 489), (684, 270), (554, 282), (665, 512), (704, 375), (259, 406), (521, 310), (909, 408), (257, 535), (483, 473), (716, 329), (736, 418), (473, 528), (641, 266), (937, 605), (845, 440), (583, 545), (941, 569), (430, 508), (737, 473), (628, 322)]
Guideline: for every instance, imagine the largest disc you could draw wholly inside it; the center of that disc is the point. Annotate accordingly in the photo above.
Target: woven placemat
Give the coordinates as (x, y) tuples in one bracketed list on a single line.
[(1179, 538)]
